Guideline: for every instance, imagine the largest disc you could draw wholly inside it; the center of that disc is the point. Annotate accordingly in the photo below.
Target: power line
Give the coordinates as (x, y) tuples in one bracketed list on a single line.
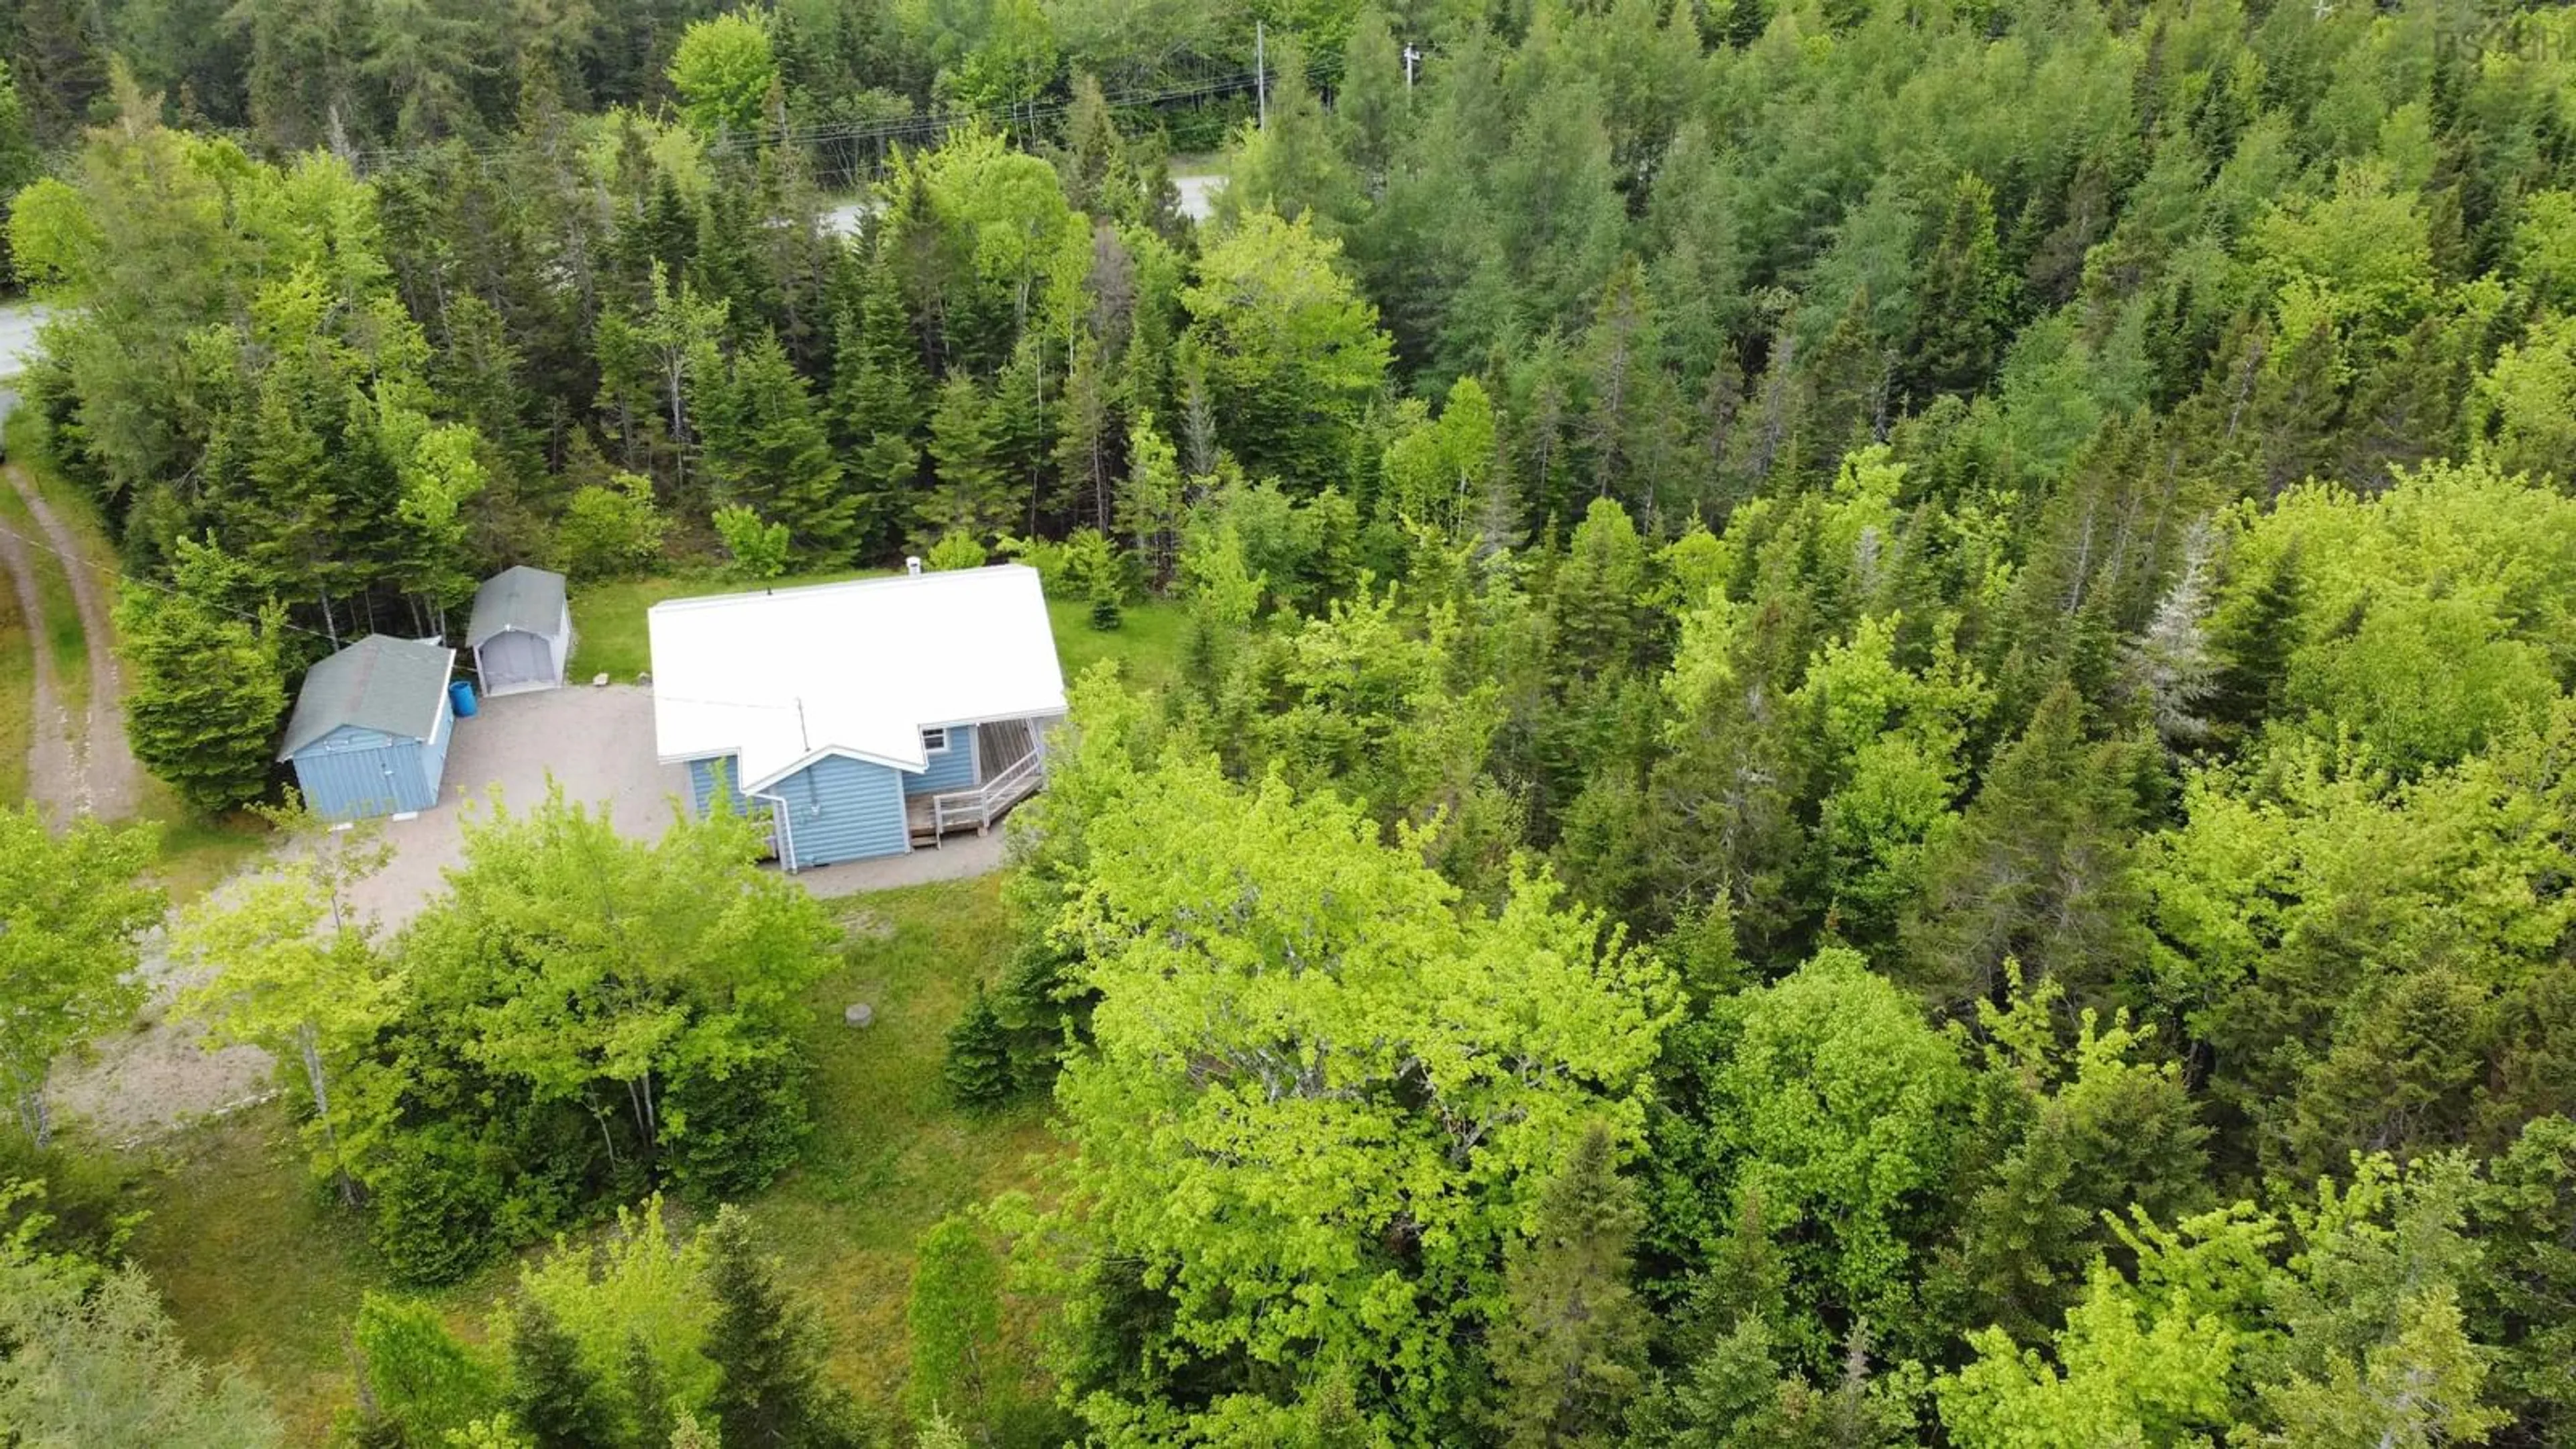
[(920, 126), (122, 577)]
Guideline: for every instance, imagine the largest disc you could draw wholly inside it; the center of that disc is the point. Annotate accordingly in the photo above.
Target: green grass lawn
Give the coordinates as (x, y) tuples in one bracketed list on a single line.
[(262, 1269), (608, 622)]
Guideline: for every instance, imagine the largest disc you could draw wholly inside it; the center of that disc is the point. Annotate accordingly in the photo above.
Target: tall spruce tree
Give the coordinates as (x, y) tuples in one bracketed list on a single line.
[(2038, 870), (1569, 1349), (767, 448), (769, 1349), (968, 492), (555, 1398)]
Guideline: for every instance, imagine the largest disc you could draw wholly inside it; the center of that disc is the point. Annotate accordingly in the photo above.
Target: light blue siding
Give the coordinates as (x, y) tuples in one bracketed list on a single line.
[(352, 773), (951, 769), (705, 775), (844, 809)]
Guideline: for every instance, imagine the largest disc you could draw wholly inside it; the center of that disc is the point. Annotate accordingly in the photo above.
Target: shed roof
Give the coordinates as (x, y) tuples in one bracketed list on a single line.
[(379, 683), (784, 677), (530, 600)]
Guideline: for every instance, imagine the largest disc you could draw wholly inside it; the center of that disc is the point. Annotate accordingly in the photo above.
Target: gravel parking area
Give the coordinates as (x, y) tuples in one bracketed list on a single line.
[(596, 742)]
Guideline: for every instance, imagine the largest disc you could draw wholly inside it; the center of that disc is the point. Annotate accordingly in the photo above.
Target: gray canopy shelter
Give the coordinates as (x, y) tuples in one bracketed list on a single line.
[(521, 632)]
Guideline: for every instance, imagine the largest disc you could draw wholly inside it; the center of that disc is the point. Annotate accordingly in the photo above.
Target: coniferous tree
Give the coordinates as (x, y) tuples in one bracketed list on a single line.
[(767, 449), (768, 1349), (2255, 633), (2038, 869), (207, 689), (968, 493), (1569, 1348), (649, 1404), (1963, 296), (978, 1069), (555, 1398)]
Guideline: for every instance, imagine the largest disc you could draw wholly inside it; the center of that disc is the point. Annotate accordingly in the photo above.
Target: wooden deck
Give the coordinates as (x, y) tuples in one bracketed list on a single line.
[(1010, 767)]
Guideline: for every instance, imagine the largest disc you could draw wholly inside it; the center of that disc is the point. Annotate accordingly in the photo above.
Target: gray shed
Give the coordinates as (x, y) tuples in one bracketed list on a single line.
[(521, 632), (370, 729)]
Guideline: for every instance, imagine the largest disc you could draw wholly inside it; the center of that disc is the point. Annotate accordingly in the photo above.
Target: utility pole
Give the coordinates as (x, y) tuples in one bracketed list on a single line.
[(1410, 56), (1260, 76)]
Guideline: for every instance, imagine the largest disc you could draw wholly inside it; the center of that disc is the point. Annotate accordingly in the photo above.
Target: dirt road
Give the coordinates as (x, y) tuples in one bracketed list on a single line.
[(53, 755), (106, 778)]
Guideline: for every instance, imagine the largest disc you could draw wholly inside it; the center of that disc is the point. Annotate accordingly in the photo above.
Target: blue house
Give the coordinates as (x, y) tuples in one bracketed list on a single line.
[(865, 718), (370, 729)]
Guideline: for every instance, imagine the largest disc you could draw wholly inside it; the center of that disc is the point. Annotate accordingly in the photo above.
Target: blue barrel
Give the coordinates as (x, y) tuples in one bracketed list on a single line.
[(460, 693)]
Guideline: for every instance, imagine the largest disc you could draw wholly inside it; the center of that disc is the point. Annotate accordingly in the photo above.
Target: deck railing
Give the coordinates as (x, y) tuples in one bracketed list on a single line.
[(977, 808)]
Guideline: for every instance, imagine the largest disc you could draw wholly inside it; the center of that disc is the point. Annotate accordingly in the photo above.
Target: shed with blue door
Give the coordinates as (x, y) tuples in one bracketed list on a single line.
[(860, 719), (370, 730)]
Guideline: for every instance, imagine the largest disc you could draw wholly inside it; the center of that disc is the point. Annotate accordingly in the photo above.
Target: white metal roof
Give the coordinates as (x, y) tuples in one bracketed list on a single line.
[(784, 677)]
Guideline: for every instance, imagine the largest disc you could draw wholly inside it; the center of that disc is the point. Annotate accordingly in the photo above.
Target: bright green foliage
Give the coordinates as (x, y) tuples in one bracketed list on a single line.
[(1892, 739), (756, 550), (2364, 249), (1375, 704), (1570, 1345), (955, 1317), (1293, 352), (2353, 950), (2419, 1390), (1442, 472), (2521, 407), (635, 1306), (2125, 1373), (2425, 614), (205, 687), (292, 966), (723, 70), (1823, 1108), (91, 1358), (2354, 1336), (1006, 211), (424, 1383), (635, 998), (1015, 63), (955, 551), (610, 530), (72, 909), (978, 1068), (1302, 1124)]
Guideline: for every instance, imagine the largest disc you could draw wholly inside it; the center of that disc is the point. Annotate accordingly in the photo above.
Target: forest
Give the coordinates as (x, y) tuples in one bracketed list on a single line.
[(1869, 739)]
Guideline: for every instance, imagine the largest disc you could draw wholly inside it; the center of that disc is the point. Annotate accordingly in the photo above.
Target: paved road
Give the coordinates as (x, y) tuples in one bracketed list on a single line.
[(18, 324), (1198, 196)]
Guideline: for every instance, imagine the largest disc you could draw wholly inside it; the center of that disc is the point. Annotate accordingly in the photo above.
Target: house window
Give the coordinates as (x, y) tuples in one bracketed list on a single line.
[(934, 742)]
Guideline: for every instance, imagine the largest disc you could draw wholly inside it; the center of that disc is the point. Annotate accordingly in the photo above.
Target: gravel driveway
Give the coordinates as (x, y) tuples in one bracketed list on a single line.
[(596, 742)]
